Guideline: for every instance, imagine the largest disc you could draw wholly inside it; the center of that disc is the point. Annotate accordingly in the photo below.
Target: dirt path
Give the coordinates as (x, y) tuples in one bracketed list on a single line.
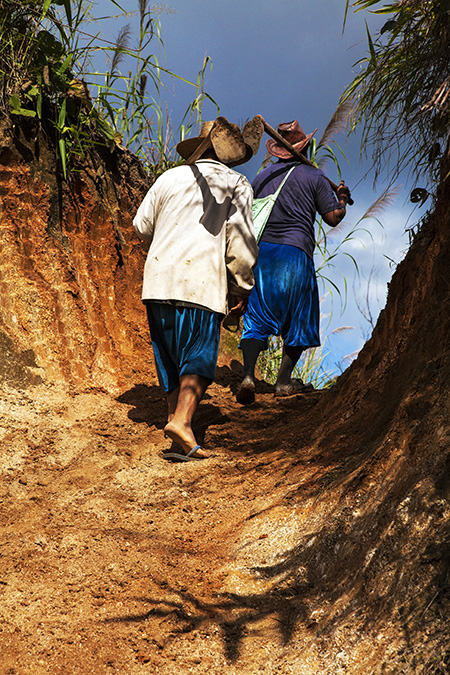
[(112, 559), (116, 561)]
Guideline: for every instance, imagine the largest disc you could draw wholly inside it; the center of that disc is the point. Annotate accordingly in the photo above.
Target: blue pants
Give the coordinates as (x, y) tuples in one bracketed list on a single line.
[(285, 299), (185, 342)]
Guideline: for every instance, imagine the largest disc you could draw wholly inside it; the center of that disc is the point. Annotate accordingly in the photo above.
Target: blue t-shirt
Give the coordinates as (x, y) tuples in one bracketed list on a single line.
[(305, 192)]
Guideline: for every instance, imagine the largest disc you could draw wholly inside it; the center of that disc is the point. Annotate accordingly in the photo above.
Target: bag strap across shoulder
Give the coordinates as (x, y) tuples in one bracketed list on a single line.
[(273, 175), (262, 207)]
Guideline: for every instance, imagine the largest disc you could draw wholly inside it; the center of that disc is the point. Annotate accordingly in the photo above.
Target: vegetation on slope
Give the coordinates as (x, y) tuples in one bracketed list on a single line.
[(49, 57), (402, 94)]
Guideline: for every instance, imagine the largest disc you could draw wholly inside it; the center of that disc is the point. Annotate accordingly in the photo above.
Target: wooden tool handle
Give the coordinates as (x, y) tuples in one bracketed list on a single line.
[(198, 152)]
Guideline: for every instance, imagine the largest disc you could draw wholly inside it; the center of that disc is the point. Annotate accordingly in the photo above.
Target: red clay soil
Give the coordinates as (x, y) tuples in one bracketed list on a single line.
[(315, 541)]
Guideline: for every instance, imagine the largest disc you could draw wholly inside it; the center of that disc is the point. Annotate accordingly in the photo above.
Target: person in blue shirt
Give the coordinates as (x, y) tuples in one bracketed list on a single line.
[(285, 298)]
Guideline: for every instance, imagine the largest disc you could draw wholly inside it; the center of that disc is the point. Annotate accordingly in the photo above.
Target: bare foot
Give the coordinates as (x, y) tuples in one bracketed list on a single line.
[(184, 437)]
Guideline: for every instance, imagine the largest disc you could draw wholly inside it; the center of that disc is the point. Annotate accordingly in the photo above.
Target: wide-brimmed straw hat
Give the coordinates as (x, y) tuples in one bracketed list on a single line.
[(294, 134), (231, 145)]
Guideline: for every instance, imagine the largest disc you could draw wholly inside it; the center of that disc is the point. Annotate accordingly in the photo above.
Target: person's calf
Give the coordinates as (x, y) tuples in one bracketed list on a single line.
[(179, 426), (172, 400), (251, 349), (289, 360)]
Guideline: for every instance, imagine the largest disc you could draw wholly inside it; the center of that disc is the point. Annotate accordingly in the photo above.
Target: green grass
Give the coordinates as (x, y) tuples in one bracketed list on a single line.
[(49, 50)]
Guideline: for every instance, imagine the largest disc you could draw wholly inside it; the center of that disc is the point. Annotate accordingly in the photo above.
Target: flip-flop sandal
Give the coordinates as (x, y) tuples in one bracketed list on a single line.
[(181, 457)]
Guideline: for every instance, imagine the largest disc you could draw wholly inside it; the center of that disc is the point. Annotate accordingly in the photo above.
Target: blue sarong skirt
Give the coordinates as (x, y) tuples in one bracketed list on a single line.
[(185, 341), (285, 299)]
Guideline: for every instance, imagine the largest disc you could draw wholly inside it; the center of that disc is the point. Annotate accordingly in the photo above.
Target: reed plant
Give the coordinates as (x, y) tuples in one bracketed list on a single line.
[(401, 95), (49, 53), (332, 243)]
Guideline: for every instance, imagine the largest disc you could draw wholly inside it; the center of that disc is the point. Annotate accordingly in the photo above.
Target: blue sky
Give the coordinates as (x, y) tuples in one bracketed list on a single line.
[(286, 60)]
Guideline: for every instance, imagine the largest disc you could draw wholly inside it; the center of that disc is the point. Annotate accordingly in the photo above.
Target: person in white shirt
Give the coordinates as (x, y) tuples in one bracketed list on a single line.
[(197, 218)]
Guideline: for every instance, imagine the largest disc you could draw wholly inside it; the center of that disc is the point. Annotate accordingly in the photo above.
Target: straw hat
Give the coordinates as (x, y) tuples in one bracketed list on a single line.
[(231, 146), (294, 134)]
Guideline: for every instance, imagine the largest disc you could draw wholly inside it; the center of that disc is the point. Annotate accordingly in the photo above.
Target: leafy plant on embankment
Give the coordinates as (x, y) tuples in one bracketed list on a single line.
[(401, 95), (49, 51)]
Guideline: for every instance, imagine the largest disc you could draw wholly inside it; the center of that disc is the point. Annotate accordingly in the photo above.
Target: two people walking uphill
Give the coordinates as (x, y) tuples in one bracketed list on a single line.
[(202, 265)]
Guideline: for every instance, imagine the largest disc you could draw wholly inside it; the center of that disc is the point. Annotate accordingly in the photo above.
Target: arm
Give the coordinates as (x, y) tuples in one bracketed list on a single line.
[(241, 251), (334, 217), (143, 222), (237, 306)]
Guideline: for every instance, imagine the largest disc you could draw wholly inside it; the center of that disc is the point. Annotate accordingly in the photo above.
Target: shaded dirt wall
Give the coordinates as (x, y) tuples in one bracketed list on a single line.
[(377, 542)]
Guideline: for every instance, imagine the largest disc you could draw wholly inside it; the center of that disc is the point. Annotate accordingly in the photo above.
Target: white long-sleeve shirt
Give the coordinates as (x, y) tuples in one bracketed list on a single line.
[(198, 221)]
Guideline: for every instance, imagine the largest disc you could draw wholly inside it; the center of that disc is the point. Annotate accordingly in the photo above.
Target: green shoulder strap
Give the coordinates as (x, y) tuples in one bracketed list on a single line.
[(263, 206)]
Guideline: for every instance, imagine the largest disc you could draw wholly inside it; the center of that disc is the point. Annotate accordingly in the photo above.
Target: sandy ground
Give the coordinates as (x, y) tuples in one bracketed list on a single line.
[(115, 560)]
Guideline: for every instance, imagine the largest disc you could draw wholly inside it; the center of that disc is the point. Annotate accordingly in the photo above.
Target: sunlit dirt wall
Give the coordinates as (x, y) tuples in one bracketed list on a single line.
[(70, 267)]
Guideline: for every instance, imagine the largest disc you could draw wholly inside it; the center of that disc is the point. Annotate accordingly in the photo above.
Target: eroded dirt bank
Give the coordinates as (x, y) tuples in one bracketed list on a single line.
[(71, 265), (316, 540)]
